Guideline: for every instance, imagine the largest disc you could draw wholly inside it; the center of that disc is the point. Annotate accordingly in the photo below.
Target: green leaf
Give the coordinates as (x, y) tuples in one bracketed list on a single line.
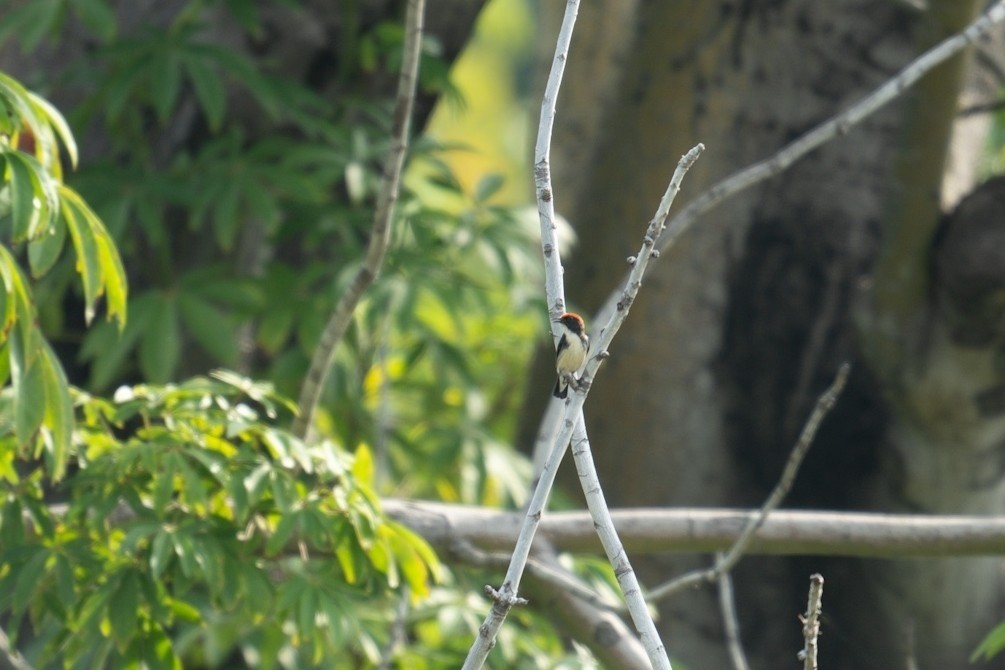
[(991, 645), (31, 22), (4, 375), (123, 606), (29, 394), (97, 16), (347, 554), (35, 199), (185, 551), (64, 580), (160, 346), (52, 116), (160, 553), (44, 251), (92, 610), (274, 327), (157, 651), (164, 484), (12, 530), (246, 72), (58, 417), (363, 468), (193, 490), (29, 579), (209, 90), (488, 186), (164, 83), (280, 537), (88, 262), (226, 216), (98, 260), (210, 328), (18, 305)]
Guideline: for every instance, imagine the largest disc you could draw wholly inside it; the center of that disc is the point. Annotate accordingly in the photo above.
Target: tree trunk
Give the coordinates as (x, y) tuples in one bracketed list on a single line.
[(750, 315)]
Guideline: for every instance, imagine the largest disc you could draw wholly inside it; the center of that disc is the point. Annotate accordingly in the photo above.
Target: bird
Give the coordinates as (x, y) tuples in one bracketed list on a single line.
[(573, 344)]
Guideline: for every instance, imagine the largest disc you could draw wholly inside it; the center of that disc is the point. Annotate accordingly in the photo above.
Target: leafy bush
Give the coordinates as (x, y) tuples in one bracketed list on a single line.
[(195, 528)]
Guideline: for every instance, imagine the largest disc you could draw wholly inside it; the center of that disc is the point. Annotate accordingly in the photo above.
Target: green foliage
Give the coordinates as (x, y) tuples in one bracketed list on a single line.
[(991, 645), (239, 241), (194, 529), (39, 211)]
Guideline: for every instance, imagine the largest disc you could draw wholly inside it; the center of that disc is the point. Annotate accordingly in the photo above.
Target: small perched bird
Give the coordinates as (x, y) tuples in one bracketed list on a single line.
[(571, 351)]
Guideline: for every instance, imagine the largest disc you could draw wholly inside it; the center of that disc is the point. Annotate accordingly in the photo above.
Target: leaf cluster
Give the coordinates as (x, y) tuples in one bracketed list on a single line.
[(38, 211), (239, 240), (195, 529)]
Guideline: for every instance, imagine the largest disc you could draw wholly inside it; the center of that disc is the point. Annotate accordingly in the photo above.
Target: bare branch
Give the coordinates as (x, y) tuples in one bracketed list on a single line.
[(784, 485), (730, 621), (616, 554), (338, 322), (681, 530)]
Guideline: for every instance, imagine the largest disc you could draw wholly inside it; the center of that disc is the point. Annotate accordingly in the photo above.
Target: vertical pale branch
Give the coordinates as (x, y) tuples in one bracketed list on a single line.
[(506, 597), (615, 550), (554, 288), (338, 323)]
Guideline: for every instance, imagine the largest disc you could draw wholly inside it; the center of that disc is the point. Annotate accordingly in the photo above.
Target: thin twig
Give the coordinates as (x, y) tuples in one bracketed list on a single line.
[(616, 554), (338, 322), (811, 622), (730, 621), (824, 404)]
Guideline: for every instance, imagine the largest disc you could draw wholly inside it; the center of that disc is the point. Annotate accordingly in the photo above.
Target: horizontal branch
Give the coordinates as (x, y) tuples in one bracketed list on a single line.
[(657, 531)]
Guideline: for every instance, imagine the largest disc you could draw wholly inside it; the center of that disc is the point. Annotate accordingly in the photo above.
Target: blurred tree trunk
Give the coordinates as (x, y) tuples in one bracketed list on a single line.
[(749, 317)]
